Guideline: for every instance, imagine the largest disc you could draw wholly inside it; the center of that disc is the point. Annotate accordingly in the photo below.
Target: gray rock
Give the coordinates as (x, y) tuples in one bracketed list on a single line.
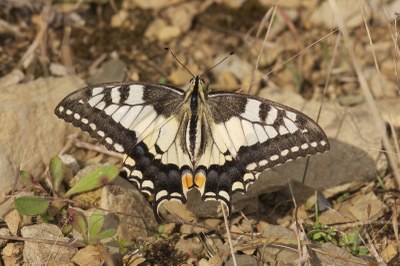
[(30, 132), (110, 71), (136, 218), (244, 260), (35, 253), (4, 232)]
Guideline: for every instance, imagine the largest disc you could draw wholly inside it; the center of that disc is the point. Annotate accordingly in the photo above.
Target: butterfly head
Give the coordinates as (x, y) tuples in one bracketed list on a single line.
[(197, 85)]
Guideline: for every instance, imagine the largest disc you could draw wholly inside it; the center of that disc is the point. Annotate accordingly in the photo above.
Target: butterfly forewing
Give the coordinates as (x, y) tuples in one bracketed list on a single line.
[(139, 120)]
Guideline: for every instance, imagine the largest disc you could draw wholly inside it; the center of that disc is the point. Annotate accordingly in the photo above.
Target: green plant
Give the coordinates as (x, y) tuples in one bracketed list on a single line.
[(161, 232), (92, 230), (40, 203), (351, 242)]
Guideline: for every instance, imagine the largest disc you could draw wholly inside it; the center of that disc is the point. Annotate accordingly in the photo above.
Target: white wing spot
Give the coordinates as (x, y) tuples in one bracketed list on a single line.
[(135, 95), (304, 130), (130, 116), (283, 130), (262, 136), (95, 100), (210, 194), (274, 157), (251, 136), (251, 167), (109, 140), (284, 152), (295, 149), (137, 173), (100, 133), (148, 184), (77, 116), (304, 146), (314, 144), (144, 119), (111, 109), (224, 195), (145, 190), (97, 90), (237, 186), (235, 132), (290, 125), (323, 142), (248, 176), (176, 195), (69, 112), (92, 126), (271, 132), (129, 161), (101, 105), (252, 110), (292, 116), (115, 95), (118, 147), (161, 194), (272, 115), (119, 114), (85, 121), (263, 162), (60, 109)]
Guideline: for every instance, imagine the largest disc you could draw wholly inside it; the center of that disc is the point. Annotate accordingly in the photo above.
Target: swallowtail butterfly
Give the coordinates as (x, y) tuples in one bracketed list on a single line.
[(176, 140)]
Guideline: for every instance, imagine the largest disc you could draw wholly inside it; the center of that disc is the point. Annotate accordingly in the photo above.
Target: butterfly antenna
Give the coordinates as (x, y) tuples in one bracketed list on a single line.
[(220, 62), (177, 60)]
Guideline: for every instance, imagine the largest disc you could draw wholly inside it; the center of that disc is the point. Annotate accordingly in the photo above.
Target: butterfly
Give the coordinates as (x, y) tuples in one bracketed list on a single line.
[(176, 140)]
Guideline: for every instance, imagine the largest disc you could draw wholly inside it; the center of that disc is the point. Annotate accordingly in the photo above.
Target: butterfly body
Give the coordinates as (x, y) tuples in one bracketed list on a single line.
[(175, 140)]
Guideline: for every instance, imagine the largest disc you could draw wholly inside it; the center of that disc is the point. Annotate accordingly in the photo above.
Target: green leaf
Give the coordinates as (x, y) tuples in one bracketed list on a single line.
[(161, 229), (30, 181), (31, 205), (363, 251), (343, 197), (78, 221), (95, 179), (57, 172), (105, 234), (96, 222), (318, 235)]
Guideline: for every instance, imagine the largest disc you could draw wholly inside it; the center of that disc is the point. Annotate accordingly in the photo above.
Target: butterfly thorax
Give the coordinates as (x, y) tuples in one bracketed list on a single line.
[(196, 128)]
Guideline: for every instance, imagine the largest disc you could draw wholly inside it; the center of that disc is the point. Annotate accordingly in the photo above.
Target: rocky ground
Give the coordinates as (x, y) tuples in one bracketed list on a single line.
[(341, 55)]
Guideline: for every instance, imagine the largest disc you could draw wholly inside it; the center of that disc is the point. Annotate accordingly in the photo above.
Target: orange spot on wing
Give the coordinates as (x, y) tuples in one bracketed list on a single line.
[(187, 181), (199, 180)]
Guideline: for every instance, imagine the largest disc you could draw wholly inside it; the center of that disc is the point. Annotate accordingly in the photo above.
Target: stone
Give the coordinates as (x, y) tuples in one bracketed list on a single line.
[(30, 132), (4, 232), (13, 220), (36, 253)]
